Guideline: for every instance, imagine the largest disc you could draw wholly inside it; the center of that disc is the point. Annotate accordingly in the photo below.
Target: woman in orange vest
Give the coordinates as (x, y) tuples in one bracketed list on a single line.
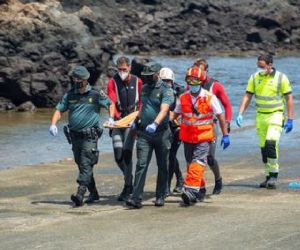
[(197, 108)]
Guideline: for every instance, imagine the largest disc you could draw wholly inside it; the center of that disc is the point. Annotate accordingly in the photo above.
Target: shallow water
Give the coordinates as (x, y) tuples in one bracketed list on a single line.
[(25, 140)]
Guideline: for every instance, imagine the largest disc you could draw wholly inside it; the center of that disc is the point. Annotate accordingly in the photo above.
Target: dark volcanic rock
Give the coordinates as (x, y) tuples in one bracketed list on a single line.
[(6, 104), (40, 41), (26, 106)]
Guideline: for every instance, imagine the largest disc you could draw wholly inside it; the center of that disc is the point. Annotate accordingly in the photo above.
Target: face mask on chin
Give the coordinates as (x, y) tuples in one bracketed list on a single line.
[(123, 75), (194, 88), (262, 71)]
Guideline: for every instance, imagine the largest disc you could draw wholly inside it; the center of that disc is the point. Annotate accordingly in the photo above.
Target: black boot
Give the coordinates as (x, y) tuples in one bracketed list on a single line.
[(137, 204), (125, 194), (264, 183), (78, 197), (168, 192), (271, 184), (179, 185), (93, 196), (189, 196), (159, 202), (201, 194), (218, 186)]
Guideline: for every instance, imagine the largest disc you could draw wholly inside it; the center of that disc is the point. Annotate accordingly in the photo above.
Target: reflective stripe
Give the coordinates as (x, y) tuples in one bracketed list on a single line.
[(190, 115), (272, 161), (136, 93), (269, 103), (277, 97), (118, 144), (279, 83), (268, 98), (203, 163), (193, 187), (197, 123), (275, 105)]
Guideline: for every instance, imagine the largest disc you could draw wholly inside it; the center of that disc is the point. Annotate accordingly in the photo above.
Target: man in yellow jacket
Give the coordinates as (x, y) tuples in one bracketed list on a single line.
[(272, 90)]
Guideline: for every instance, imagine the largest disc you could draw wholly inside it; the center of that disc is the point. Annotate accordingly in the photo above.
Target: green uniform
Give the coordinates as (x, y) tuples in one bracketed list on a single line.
[(269, 91), (84, 110), (152, 98), (159, 141)]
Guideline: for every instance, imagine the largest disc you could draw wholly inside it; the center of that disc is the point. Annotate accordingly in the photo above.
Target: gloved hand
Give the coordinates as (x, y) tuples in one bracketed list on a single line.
[(133, 125), (53, 130), (225, 142), (111, 121), (288, 126), (151, 128), (239, 120)]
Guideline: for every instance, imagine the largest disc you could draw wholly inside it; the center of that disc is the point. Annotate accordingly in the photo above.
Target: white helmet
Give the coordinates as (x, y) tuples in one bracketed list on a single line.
[(166, 74)]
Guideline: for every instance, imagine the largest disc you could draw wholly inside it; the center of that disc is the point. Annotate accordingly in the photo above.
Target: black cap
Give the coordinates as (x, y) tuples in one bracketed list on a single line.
[(151, 68)]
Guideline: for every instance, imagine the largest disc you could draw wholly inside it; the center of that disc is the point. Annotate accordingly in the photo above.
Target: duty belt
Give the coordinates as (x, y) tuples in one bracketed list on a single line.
[(88, 133)]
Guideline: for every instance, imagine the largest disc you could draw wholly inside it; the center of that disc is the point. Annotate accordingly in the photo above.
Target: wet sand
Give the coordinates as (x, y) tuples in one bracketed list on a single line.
[(36, 212)]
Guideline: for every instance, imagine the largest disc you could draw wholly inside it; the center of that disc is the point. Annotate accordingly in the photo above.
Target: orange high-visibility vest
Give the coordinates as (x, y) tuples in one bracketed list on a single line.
[(197, 123)]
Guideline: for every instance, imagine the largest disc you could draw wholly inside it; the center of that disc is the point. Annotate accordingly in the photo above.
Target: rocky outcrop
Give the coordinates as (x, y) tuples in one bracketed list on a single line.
[(40, 41), (39, 44)]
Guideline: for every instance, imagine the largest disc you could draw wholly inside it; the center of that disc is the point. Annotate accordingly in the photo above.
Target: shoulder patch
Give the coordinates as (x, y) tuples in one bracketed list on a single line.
[(101, 92), (72, 100)]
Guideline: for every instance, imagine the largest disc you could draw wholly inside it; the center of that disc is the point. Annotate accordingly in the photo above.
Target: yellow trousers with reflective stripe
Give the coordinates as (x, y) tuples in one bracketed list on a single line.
[(269, 128)]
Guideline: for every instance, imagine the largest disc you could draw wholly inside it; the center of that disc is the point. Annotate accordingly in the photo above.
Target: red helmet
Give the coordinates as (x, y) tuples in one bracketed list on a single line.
[(195, 75)]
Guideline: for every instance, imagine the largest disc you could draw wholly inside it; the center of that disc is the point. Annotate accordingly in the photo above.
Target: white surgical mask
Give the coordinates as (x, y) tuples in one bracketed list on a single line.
[(123, 74), (194, 88)]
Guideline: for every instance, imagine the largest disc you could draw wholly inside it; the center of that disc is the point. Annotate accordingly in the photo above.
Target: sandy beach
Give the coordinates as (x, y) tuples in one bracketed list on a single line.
[(36, 212)]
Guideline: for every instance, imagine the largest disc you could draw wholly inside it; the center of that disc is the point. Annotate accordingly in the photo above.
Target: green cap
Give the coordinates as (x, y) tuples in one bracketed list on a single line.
[(81, 72), (151, 68)]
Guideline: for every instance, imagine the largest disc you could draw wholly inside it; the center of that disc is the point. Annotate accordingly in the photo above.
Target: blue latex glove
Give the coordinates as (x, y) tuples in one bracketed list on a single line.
[(288, 126), (53, 130), (111, 121), (151, 128), (239, 120), (225, 142), (133, 125)]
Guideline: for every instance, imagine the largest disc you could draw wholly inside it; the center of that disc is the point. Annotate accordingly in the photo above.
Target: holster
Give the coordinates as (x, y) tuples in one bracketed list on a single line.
[(67, 134)]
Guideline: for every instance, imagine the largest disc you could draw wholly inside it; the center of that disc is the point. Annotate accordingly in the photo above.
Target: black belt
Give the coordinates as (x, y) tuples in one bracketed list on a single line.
[(88, 133)]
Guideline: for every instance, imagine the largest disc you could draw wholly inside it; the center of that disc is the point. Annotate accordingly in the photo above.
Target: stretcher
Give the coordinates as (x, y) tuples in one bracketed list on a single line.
[(125, 122)]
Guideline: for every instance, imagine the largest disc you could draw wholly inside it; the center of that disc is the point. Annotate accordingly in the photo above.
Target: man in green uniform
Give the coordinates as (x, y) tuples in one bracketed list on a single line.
[(83, 103), (153, 134), (272, 90)]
